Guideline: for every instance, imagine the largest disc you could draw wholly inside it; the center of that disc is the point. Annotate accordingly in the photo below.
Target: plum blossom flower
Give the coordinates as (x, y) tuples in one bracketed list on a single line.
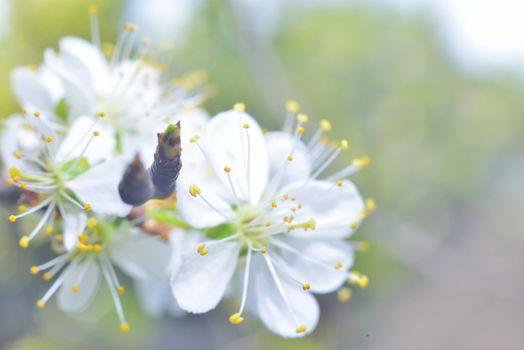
[(269, 220), (103, 246), (67, 176)]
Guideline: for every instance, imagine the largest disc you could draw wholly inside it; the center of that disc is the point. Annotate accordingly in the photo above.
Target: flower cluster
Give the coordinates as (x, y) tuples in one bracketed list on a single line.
[(254, 218)]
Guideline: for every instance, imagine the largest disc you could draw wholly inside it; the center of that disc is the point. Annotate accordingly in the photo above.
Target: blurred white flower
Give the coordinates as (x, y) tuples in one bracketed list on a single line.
[(69, 174), (267, 209), (79, 272)]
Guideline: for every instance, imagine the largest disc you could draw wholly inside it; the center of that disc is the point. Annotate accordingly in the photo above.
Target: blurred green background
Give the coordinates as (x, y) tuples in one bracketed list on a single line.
[(447, 145)]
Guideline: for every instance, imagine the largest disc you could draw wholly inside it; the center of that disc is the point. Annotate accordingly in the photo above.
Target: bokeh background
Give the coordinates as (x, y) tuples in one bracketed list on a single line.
[(432, 90)]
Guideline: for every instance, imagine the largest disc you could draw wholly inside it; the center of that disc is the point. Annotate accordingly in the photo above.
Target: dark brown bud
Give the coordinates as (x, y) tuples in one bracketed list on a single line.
[(167, 164), (136, 187)]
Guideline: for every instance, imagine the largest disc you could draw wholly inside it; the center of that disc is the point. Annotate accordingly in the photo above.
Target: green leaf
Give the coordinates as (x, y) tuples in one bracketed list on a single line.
[(169, 217), (75, 167), (221, 231), (62, 110)]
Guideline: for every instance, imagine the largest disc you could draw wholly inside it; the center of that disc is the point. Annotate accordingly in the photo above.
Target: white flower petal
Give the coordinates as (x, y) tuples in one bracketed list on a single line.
[(280, 146), (276, 313), (74, 223), (155, 296), (29, 89), (86, 60), (99, 187), (100, 147), (316, 262), (86, 276), (16, 137), (226, 142), (202, 280), (141, 256), (333, 207)]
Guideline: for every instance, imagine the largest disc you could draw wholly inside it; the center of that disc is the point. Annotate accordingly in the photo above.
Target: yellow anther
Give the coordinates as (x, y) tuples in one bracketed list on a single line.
[(87, 207), (301, 130), (89, 247), (339, 265), (290, 158), (292, 106), (194, 139), (22, 208), (37, 114), (227, 169), (285, 197), (23, 185), (75, 288), (340, 183), (96, 133), (23, 111), (202, 249), (83, 238), (194, 190), (81, 247), (93, 9), (263, 250), (306, 286), (303, 118), (363, 281), (325, 125), (344, 145), (40, 304), (17, 155), (344, 295), (10, 182), (92, 223), (34, 270), (24, 242), (273, 204), (124, 328), (101, 114), (370, 205), (129, 27), (241, 107), (12, 218), (236, 318), (361, 162), (354, 225), (363, 246), (301, 329), (362, 214), (59, 238), (47, 276), (97, 248), (245, 126), (121, 290)]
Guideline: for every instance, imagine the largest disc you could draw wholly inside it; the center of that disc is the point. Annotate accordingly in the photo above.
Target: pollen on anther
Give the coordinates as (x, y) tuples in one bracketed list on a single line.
[(93, 9), (37, 114), (301, 130), (12, 218), (340, 183), (290, 158), (339, 265), (303, 118), (263, 250), (87, 207), (325, 125), (96, 133), (24, 242), (101, 114), (194, 139), (202, 249), (240, 107), (124, 328), (344, 145), (75, 288), (344, 295), (301, 329), (47, 276), (17, 155), (292, 106), (121, 290), (245, 126), (274, 204), (40, 304), (236, 318), (306, 286), (129, 27), (227, 169), (34, 270), (49, 139), (194, 190)]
